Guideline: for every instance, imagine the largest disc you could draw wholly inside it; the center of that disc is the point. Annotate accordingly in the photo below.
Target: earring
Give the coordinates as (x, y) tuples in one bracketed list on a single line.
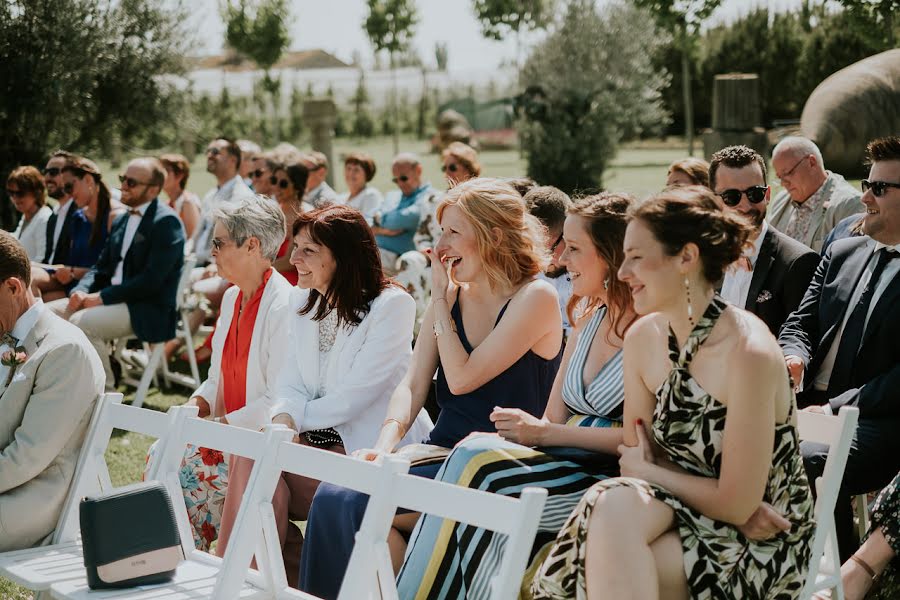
[(690, 307), (606, 283)]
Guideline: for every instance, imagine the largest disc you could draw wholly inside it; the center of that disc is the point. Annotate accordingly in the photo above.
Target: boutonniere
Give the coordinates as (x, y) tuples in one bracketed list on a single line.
[(12, 359), (764, 296)]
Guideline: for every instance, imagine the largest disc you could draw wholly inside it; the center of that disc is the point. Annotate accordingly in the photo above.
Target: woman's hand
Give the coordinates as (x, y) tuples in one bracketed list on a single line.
[(765, 523), (441, 284), (369, 454), (636, 461), (518, 426), (64, 275), (288, 421)]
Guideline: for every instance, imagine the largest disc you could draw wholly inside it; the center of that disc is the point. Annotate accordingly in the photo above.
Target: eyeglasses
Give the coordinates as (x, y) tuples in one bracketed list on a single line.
[(213, 150), (131, 182), (217, 244), (68, 187), (879, 188), (755, 195), (452, 167), (283, 183), (792, 169), (401, 179), (16, 193), (556, 243), (257, 174), (51, 171)]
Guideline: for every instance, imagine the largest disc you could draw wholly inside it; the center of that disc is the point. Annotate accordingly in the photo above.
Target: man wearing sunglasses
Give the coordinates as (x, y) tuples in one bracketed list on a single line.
[(549, 205), (771, 277), (396, 224), (814, 200), (132, 289), (318, 192), (842, 343), (60, 221)]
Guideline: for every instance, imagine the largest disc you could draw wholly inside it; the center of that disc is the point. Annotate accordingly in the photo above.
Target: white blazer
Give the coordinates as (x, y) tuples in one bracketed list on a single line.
[(267, 348), (33, 237), (366, 363)]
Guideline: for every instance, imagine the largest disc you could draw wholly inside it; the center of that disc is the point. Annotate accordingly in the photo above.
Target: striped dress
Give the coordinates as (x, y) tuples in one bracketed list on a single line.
[(448, 560)]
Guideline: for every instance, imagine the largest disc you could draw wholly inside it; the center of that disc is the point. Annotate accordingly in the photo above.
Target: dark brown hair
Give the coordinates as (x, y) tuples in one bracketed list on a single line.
[(29, 180), (696, 169), (886, 148), (548, 204), (359, 278), (735, 157), (231, 148), (298, 173), (179, 165), (682, 215), (14, 260), (607, 217), (363, 161), (81, 167)]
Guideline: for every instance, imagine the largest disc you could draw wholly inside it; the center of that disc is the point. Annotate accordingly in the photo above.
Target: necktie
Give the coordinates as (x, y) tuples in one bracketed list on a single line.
[(8, 339), (851, 339)]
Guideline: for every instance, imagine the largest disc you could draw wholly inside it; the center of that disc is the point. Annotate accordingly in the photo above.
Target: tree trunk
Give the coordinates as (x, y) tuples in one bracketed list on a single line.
[(687, 95), (395, 130)]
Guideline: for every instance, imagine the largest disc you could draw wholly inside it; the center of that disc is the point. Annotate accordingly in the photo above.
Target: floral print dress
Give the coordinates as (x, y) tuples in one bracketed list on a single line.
[(719, 561)]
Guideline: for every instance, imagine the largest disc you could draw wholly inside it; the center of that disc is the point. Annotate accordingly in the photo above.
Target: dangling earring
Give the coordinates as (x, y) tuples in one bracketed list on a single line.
[(606, 283), (690, 307)]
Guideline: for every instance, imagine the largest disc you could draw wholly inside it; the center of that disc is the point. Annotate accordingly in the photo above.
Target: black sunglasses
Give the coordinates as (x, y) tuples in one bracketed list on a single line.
[(52, 171), (213, 150), (16, 193), (452, 167), (257, 173), (402, 179), (556, 243), (131, 182), (283, 183), (879, 188), (755, 195)]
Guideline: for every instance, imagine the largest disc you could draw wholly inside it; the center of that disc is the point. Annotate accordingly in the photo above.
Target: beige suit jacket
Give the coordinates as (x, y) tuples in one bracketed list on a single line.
[(44, 414)]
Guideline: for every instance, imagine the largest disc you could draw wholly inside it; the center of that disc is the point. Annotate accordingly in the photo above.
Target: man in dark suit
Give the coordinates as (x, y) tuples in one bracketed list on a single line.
[(842, 342), (772, 276), (133, 287), (58, 225)]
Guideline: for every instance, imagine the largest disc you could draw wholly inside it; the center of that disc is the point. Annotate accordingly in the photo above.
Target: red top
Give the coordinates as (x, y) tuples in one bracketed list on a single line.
[(291, 274), (237, 349)]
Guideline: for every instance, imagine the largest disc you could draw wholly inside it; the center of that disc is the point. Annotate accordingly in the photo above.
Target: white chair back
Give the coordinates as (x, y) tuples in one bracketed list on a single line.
[(837, 432)]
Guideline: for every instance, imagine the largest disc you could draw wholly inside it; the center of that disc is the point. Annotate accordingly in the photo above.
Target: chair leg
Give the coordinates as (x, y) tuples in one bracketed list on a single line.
[(189, 342), (149, 374)]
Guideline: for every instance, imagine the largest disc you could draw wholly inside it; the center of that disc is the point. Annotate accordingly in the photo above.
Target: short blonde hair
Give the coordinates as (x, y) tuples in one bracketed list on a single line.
[(464, 155), (491, 204)]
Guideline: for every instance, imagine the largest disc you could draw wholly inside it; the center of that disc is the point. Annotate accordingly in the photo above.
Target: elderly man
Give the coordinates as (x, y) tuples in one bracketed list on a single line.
[(223, 160), (841, 343), (132, 289), (398, 221), (814, 200), (49, 381), (772, 276), (318, 192)]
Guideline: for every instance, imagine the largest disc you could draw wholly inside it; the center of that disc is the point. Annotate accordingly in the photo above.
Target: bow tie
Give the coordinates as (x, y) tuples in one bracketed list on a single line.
[(134, 211), (8, 339)]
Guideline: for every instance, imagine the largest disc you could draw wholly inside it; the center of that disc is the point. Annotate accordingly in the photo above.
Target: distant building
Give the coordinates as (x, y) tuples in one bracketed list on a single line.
[(303, 59)]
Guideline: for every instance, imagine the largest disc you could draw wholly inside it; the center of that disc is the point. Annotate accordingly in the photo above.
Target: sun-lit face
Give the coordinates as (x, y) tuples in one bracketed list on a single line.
[(25, 202), (314, 262), (260, 177), (797, 174), (748, 176), (285, 192), (53, 177), (882, 220), (355, 176), (218, 161), (225, 252), (454, 171), (142, 191), (677, 177), (407, 177), (652, 275), (587, 270), (458, 245), (82, 188)]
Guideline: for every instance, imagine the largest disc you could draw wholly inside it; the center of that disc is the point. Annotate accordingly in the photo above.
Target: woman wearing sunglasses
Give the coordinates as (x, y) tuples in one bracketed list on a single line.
[(89, 228), (25, 188), (289, 183), (185, 204)]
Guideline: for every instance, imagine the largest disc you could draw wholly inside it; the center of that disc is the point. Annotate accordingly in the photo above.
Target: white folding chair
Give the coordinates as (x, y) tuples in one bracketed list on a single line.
[(184, 330), (837, 432)]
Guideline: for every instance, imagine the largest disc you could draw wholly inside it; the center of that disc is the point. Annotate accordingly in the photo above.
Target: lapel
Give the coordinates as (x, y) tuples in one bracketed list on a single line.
[(844, 286), (143, 230), (31, 343), (761, 269), (888, 300), (306, 337)]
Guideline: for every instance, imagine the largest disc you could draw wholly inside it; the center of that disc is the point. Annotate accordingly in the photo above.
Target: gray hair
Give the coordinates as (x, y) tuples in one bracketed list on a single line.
[(258, 217), (406, 159), (798, 146)]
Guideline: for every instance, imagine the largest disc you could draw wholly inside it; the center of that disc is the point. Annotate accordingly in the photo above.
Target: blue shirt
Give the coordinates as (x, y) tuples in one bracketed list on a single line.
[(404, 215)]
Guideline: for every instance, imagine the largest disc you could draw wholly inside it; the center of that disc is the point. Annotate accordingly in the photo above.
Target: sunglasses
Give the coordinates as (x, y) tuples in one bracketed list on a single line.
[(131, 182), (214, 151), (282, 183), (556, 243), (401, 179), (452, 167), (257, 174), (755, 195), (52, 171), (879, 188), (16, 193)]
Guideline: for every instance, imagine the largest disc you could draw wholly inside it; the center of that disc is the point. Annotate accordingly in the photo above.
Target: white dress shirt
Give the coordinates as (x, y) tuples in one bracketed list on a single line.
[(890, 272), (20, 331), (61, 213), (134, 220), (736, 285)]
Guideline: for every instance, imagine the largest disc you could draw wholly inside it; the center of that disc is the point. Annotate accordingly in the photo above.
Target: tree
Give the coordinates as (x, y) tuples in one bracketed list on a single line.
[(441, 54), (390, 26), (683, 18), (500, 17), (589, 84), (363, 125), (258, 30), (78, 73), (874, 18)]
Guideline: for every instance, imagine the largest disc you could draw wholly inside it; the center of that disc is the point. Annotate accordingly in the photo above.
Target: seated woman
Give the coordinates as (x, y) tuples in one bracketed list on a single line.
[(25, 188), (185, 204), (583, 418), (247, 345), (89, 227), (496, 342), (289, 181), (359, 169), (688, 171), (709, 382), (349, 339)]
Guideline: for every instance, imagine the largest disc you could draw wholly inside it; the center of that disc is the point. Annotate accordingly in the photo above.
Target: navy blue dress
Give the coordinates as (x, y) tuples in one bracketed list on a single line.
[(336, 513)]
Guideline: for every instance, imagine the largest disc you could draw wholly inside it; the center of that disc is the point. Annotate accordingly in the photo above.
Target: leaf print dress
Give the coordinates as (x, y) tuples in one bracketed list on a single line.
[(719, 562)]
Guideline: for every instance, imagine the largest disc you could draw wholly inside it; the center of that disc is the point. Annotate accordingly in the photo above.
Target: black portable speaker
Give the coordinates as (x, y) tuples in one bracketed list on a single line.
[(130, 537)]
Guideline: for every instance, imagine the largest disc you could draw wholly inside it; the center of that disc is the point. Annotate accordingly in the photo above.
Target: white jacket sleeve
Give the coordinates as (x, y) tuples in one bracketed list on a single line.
[(209, 389)]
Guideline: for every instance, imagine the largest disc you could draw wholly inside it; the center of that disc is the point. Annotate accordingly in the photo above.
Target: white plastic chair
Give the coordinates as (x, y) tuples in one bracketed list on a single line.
[(837, 432)]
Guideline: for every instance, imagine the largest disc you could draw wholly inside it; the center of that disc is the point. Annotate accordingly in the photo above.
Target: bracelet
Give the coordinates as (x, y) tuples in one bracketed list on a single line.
[(440, 329), (397, 421)]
